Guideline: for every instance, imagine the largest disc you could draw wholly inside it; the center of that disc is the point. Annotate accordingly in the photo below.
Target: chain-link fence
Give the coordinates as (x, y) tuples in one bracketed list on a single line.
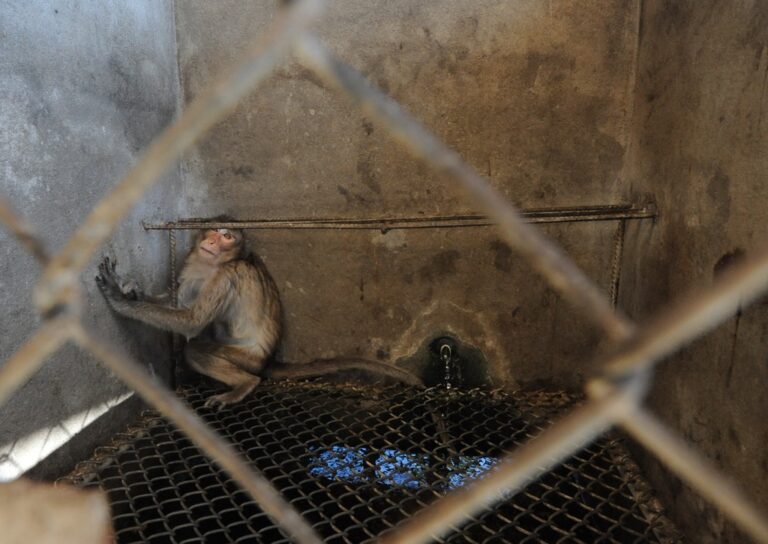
[(615, 396), (356, 461)]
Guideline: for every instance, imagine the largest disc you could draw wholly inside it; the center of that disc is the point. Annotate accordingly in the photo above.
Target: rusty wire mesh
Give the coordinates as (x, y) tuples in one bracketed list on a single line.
[(615, 395), (357, 461)]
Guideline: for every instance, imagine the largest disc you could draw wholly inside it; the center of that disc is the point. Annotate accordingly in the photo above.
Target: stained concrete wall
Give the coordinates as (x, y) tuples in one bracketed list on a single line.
[(700, 145), (535, 95), (538, 96), (84, 88)]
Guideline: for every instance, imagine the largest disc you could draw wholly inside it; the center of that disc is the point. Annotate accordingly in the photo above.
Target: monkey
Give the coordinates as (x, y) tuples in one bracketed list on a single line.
[(230, 313)]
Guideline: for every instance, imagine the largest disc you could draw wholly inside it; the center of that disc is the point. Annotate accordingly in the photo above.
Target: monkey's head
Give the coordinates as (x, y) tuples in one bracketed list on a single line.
[(219, 246)]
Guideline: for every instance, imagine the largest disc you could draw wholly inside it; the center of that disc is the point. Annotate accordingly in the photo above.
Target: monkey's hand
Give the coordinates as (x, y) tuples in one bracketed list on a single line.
[(111, 284)]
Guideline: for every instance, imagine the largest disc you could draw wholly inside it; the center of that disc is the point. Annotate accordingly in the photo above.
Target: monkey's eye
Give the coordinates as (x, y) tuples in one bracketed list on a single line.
[(227, 236)]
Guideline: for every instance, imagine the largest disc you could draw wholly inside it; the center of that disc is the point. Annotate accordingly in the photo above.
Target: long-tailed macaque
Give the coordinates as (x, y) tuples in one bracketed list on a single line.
[(229, 311)]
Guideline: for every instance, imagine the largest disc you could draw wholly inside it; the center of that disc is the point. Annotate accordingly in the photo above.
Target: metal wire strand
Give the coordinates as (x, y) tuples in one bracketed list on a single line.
[(548, 259), (23, 232), (202, 114), (185, 419), (357, 461), (520, 467), (690, 466)]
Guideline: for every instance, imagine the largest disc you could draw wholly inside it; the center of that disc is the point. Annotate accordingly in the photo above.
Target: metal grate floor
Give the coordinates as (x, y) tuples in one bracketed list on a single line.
[(356, 461)]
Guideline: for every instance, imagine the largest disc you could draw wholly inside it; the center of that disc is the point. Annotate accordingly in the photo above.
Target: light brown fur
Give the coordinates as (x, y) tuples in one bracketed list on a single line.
[(229, 310)]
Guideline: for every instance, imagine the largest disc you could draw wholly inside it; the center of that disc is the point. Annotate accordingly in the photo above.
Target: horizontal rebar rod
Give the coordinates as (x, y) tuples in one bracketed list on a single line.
[(218, 99), (541, 215), (545, 257)]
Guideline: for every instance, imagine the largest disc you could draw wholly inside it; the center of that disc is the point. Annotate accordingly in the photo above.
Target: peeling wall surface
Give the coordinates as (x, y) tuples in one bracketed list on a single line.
[(85, 86), (701, 134), (534, 95)]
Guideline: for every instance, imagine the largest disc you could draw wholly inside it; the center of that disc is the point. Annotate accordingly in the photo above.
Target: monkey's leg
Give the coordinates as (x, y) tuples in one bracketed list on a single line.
[(206, 360)]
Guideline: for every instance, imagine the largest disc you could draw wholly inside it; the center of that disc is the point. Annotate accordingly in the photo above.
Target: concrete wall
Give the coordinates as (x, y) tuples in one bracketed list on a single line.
[(535, 95), (699, 145), (540, 97), (84, 88)]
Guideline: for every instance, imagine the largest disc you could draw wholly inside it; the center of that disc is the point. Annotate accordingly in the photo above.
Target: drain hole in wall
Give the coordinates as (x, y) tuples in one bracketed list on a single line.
[(466, 366)]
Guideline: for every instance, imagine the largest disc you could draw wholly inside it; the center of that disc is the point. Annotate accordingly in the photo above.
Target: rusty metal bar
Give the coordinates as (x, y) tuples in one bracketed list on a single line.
[(694, 315), (699, 474), (23, 232), (548, 259), (541, 215), (520, 467), (164, 400), (616, 258), (28, 359), (210, 106)]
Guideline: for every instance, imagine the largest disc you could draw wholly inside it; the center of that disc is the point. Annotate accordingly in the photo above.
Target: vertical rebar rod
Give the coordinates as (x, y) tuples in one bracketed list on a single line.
[(689, 318), (545, 257), (616, 258)]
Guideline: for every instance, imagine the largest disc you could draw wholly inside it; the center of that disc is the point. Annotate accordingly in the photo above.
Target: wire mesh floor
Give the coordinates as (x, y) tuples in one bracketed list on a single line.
[(356, 461)]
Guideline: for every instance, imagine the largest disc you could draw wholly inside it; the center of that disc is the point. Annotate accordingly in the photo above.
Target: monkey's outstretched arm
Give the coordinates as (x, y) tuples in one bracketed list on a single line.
[(209, 304), (130, 288)]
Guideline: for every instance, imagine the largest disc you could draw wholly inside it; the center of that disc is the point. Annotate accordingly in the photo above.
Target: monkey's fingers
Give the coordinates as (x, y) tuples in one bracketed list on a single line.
[(106, 283), (104, 268), (107, 267), (107, 271), (217, 402), (101, 283), (105, 278)]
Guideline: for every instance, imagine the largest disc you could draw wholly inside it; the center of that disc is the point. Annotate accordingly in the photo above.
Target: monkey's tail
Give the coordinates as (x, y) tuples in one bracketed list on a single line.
[(323, 367)]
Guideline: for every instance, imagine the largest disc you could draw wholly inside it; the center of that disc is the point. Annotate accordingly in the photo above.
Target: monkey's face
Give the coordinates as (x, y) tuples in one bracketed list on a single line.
[(217, 246)]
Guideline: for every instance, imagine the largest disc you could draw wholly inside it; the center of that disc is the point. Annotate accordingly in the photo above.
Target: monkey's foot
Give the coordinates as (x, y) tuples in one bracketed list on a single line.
[(232, 397)]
